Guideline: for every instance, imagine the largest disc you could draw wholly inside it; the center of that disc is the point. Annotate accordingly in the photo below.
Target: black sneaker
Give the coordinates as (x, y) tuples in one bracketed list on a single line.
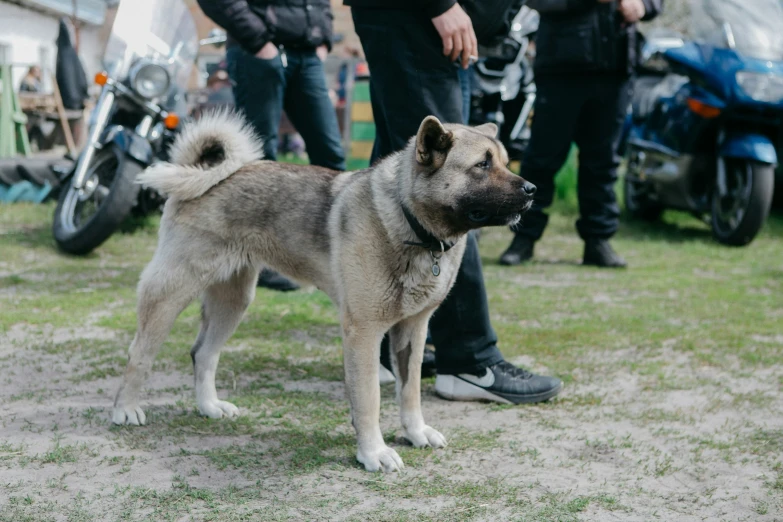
[(598, 252), (503, 383), (520, 250), (274, 281)]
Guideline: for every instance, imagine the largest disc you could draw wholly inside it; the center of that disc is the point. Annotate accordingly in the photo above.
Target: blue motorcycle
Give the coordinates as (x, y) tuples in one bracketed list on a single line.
[(705, 117)]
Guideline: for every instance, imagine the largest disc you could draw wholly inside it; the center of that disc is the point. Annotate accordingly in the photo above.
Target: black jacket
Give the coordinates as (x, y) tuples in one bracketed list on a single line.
[(297, 24), (432, 8), (491, 18), (587, 36)]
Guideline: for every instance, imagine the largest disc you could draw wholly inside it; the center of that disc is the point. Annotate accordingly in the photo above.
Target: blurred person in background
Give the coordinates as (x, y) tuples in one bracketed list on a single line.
[(32, 80), (276, 50), (586, 52)]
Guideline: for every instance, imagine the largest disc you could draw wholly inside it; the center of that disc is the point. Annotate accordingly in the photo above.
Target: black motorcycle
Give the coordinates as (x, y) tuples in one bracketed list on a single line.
[(149, 57), (503, 87)]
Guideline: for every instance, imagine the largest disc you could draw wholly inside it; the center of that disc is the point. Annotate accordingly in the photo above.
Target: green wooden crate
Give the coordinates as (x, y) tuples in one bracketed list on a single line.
[(356, 164), (361, 91), (362, 131)]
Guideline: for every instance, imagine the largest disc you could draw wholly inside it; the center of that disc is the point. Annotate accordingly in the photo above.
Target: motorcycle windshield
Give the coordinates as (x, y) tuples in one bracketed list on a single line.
[(753, 27), (159, 30)]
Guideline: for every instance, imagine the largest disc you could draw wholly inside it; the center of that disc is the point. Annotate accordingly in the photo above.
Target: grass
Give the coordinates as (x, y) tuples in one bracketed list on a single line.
[(672, 405)]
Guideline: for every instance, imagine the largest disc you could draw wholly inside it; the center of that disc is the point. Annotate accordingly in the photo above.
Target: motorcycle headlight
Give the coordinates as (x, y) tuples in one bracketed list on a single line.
[(149, 80), (761, 87)]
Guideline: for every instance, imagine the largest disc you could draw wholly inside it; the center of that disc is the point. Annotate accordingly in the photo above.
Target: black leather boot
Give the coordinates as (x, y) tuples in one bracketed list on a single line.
[(520, 250), (598, 252)]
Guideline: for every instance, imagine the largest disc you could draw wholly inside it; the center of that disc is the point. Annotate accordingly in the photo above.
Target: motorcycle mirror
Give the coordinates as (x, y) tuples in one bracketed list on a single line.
[(652, 55), (216, 37), (656, 63)]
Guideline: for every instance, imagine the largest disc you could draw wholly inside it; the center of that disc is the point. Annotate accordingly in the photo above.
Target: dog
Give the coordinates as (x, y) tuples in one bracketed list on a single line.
[(384, 243)]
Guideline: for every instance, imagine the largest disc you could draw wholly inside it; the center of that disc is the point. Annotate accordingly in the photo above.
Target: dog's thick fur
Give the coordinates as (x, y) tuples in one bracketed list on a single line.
[(228, 215)]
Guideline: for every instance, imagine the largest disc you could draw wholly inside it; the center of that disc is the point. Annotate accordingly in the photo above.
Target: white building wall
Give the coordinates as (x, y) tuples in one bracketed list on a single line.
[(29, 37)]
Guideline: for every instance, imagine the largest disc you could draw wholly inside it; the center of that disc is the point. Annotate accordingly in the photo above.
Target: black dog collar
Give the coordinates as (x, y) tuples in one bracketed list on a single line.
[(427, 240)]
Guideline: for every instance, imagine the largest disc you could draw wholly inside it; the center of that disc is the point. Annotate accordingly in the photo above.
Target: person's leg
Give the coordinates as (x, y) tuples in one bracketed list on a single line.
[(597, 134), (556, 112), (382, 134), (461, 324), (397, 110), (311, 111), (557, 107), (258, 92), (409, 80)]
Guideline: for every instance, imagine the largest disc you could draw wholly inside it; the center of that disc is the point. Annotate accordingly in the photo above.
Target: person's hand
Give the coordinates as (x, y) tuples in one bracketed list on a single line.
[(268, 51), (456, 31), (322, 51), (632, 10)]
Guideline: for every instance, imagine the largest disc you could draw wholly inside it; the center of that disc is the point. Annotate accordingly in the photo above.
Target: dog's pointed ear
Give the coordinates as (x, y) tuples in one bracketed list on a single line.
[(433, 142), (487, 129)]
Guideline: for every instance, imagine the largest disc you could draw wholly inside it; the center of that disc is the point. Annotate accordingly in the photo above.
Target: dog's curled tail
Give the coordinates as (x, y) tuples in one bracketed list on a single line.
[(205, 153)]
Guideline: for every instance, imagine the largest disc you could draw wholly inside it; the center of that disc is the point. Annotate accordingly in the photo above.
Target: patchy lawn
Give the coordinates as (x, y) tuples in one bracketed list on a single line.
[(672, 408)]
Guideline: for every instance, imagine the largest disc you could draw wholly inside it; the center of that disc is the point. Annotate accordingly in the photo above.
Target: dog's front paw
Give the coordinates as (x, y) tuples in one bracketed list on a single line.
[(218, 409), (424, 437), (130, 415), (383, 459)]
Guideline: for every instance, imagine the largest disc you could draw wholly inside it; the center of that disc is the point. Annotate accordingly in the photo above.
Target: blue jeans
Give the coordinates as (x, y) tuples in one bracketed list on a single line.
[(465, 77), (263, 88)]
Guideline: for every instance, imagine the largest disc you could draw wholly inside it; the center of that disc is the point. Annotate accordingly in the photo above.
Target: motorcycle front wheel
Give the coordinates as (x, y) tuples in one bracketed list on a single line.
[(82, 224), (739, 215)]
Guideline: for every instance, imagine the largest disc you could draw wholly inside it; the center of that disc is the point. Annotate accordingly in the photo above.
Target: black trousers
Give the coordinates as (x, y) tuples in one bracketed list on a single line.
[(588, 109), (409, 80)]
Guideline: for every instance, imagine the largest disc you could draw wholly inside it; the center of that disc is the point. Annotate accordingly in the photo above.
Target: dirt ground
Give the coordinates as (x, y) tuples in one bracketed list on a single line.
[(672, 408)]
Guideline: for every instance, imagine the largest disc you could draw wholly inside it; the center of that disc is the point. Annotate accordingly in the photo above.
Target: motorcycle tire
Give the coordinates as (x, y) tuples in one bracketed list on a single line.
[(81, 239), (638, 206), (758, 200)]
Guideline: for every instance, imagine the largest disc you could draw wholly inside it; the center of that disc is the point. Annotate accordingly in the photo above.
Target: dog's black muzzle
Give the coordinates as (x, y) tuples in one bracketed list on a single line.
[(501, 208)]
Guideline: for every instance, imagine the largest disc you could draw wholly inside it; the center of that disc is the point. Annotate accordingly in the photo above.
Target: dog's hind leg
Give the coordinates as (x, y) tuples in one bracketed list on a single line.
[(162, 297), (222, 310), (407, 340)]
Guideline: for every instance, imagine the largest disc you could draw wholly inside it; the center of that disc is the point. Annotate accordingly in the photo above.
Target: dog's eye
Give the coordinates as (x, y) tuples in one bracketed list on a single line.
[(484, 165)]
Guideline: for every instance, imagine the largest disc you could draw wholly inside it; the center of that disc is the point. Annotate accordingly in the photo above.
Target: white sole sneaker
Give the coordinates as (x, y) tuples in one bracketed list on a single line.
[(455, 389), (384, 375)]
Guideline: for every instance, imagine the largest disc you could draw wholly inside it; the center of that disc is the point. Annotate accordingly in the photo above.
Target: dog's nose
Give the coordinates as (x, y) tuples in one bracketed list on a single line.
[(529, 188)]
